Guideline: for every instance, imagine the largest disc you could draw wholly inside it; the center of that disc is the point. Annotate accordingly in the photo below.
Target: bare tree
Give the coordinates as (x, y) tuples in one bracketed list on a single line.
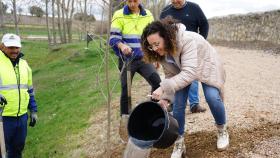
[(85, 13), (47, 21), (69, 19), (53, 22), (63, 21), (59, 21), (15, 16), (2, 24)]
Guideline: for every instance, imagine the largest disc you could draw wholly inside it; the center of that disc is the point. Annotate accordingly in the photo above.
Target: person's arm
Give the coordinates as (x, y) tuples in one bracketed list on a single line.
[(32, 105), (186, 76), (116, 36), (202, 23)]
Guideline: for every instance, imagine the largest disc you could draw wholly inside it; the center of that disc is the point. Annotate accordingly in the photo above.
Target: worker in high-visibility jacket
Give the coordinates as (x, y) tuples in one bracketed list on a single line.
[(16, 93), (127, 26)]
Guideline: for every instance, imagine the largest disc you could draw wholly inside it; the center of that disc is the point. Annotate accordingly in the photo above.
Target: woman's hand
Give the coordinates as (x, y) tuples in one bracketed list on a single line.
[(157, 94), (156, 65), (164, 103)]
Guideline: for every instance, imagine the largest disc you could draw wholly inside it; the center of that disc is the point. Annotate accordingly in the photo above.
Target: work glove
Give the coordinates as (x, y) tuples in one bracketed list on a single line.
[(3, 100), (33, 119)]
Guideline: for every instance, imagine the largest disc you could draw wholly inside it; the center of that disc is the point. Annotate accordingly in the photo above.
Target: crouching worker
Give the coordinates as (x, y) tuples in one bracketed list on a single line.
[(16, 93), (185, 56)]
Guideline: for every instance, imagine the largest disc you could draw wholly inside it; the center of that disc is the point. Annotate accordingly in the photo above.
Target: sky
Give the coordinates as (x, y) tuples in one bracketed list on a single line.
[(213, 8)]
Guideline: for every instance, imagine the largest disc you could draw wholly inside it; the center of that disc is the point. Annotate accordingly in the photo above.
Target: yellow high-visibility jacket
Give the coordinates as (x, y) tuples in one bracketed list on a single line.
[(128, 28), (16, 86)]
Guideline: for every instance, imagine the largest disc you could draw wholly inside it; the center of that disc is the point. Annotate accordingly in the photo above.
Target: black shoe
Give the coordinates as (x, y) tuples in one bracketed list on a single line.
[(197, 109)]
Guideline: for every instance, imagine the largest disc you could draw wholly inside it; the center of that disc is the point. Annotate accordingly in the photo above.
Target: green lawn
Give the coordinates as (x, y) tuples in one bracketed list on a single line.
[(67, 95), (27, 30)]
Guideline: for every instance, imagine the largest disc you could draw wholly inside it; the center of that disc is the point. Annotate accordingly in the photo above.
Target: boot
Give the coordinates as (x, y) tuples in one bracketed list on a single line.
[(123, 128), (223, 138), (179, 149), (197, 108)]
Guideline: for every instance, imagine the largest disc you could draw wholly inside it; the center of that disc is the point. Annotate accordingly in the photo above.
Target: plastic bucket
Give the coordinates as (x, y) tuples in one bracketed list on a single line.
[(149, 122)]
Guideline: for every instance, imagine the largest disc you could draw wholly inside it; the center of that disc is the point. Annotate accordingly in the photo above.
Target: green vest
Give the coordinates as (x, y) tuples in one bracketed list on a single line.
[(14, 83)]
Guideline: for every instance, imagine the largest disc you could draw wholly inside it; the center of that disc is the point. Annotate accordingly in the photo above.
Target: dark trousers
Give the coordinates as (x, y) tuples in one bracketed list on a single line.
[(15, 131), (147, 71)]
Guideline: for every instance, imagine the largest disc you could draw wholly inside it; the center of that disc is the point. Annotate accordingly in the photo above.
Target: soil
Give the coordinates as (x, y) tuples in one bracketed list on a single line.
[(252, 100)]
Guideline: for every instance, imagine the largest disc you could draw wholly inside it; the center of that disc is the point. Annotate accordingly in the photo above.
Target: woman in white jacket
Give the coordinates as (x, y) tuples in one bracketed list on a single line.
[(185, 56)]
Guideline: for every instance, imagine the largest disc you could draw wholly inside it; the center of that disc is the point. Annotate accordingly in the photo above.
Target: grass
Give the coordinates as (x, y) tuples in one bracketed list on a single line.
[(39, 30), (67, 94)]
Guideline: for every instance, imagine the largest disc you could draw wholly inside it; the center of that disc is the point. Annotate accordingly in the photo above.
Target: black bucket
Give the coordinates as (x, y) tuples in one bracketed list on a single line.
[(151, 123)]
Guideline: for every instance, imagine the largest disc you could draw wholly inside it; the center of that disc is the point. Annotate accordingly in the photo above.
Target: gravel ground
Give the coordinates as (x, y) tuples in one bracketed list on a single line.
[(252, 101)]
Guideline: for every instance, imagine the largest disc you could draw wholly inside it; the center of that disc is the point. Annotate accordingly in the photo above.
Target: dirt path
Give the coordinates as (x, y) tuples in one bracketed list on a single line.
[(252, 102)]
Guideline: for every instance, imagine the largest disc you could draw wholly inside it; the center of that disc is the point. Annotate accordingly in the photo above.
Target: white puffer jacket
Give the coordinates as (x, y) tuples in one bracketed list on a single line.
[(195, 59)]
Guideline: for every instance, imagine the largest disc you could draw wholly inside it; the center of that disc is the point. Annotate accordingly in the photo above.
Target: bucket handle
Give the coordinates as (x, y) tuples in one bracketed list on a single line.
[(168, 120)]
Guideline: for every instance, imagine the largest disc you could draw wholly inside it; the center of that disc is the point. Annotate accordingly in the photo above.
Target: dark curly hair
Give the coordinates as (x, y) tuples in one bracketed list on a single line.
[(167, 30)]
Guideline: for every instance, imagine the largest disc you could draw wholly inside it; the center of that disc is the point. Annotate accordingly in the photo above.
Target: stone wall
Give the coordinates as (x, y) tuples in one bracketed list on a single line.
[(251, 27)]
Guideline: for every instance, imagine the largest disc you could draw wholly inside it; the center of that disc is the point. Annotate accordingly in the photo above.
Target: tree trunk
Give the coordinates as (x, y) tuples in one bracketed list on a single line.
[(59, 21), (85, 14), (2, 24), (69, 22), (63, 21), (47, 22), (15, 16), (53, 23)]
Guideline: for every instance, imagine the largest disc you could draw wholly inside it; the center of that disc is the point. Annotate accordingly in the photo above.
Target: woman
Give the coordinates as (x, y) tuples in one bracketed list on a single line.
[(185, 56)]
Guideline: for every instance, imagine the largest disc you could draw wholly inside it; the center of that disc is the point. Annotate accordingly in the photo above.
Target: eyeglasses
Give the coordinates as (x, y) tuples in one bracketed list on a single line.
[(154, 46)]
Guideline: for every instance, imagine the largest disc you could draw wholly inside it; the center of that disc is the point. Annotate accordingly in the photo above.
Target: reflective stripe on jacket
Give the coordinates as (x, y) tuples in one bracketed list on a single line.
[(127, 28), (15, 82)]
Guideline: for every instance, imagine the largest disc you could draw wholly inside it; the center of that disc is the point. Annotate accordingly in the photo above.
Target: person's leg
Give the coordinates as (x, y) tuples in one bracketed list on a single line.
[(194, 98), (124, 98), (123, 77), (20, 136), (149, 73), (193, 94), (179, 107), (213, 98), (124, 109), (9, 127), (217, 108)]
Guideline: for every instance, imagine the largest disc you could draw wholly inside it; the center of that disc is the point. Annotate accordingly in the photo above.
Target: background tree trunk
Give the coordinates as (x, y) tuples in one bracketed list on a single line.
[(47, 22), (53, 22), (2, 24), (15, 16), (84, 20), (70, 21), (63, 21), (59, 21)]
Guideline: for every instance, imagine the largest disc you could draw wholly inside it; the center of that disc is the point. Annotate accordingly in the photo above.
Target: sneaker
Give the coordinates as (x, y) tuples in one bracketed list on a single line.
[(123, 128), (223, 138), (197, 109), (179, 149)]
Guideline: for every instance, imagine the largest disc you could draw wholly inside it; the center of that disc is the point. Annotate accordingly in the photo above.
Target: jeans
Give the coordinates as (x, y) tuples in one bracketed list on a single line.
[(213, 98), (15, 131), (147, 71), (193, 94)]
